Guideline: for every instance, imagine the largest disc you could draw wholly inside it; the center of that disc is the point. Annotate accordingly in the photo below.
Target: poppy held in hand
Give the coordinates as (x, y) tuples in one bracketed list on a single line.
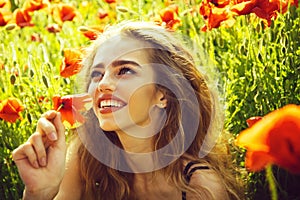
[(70, 107), (10, 109), (275, 139), (72, 62)]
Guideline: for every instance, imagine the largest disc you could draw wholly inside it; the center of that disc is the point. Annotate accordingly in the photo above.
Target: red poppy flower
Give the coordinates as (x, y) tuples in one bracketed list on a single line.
[(53, 28), (5, 4), (71, 63), (110, 1), (215, 16), (92, 32), (221, 12), (63, 12), (10, 109), (102, 13), (169, 16), (32, 5), (5, 16), (22, 18), (70, 107), (5, 12), (35, 37), (169, 13), (275, 139), (220, 3), (252, 120), (264, 9)]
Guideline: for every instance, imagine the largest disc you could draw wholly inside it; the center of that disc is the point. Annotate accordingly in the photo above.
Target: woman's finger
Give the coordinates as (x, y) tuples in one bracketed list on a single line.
[(52, 126), (39, 147), (25, 151), (60, 130), (45, 126), (50, 114)]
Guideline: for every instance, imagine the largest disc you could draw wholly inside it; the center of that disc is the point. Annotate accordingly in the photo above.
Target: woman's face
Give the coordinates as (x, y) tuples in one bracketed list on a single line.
[(122, 84)]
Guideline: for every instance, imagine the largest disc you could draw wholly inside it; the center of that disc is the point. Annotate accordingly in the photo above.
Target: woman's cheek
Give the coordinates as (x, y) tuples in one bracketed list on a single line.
[(91, 89)]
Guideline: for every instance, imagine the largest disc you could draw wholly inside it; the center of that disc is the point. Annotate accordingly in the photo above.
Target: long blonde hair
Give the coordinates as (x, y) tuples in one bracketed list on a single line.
[(103, 182)]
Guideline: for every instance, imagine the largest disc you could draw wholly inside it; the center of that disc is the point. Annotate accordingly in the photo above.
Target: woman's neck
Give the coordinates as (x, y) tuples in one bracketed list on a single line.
[(139, 151), (135, 145)]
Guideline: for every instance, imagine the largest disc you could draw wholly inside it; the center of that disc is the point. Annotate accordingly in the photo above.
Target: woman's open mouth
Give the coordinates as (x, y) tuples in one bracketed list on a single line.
[(109, 103)]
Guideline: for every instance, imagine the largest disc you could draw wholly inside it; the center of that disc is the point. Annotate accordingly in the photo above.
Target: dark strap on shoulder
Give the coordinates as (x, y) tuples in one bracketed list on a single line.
[(188, 173), (188, 166)]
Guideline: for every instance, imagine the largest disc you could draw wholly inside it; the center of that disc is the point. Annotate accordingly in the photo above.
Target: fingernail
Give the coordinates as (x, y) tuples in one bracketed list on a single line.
[(35, 164), (52, 136), (43, 161)]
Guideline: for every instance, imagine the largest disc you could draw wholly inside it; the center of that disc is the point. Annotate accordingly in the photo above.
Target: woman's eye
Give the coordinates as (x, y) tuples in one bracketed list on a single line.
[(126, 70), (96, 75)]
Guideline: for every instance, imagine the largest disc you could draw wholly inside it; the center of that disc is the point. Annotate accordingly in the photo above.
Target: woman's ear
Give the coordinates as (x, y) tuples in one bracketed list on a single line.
[(161, 100)]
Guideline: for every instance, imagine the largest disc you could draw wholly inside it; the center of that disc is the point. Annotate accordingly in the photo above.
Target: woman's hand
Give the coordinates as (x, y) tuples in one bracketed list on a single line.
[(41, 160)]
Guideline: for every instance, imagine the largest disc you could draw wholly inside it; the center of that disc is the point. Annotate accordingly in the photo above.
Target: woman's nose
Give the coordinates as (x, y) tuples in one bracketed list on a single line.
[(107, 84)]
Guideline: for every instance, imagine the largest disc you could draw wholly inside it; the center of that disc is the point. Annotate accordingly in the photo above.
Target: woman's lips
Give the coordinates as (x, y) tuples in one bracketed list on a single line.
[(109, 110), (108, 103)]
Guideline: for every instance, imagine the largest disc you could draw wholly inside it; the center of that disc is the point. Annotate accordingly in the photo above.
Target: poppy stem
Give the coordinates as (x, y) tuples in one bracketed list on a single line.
[(61, 105), (272, 182)]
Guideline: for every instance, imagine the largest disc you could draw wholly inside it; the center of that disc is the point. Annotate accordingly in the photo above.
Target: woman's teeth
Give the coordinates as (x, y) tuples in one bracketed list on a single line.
[(111, 103)]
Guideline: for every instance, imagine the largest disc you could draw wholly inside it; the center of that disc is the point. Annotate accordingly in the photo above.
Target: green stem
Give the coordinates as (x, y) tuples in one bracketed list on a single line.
[(61, 105), (272, 182)]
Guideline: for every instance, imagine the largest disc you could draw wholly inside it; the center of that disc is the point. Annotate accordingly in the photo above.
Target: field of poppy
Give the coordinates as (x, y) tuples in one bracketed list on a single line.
[(252, 47)]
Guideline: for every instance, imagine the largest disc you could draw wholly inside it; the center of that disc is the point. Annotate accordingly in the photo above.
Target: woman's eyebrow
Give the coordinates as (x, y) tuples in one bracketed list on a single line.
[(124, 62), (99, 65), (118, 63)]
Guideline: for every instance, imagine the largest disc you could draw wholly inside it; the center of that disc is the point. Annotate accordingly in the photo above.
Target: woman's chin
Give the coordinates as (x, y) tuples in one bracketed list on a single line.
[(105, 128), (108, 127)]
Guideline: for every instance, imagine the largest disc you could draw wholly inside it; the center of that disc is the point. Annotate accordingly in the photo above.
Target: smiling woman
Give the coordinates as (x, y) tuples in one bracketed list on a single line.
[(149, 135), (125, 78)]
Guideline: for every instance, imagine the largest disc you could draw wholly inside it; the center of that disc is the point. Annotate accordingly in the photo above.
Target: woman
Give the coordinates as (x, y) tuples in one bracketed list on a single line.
[(149, 134)]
